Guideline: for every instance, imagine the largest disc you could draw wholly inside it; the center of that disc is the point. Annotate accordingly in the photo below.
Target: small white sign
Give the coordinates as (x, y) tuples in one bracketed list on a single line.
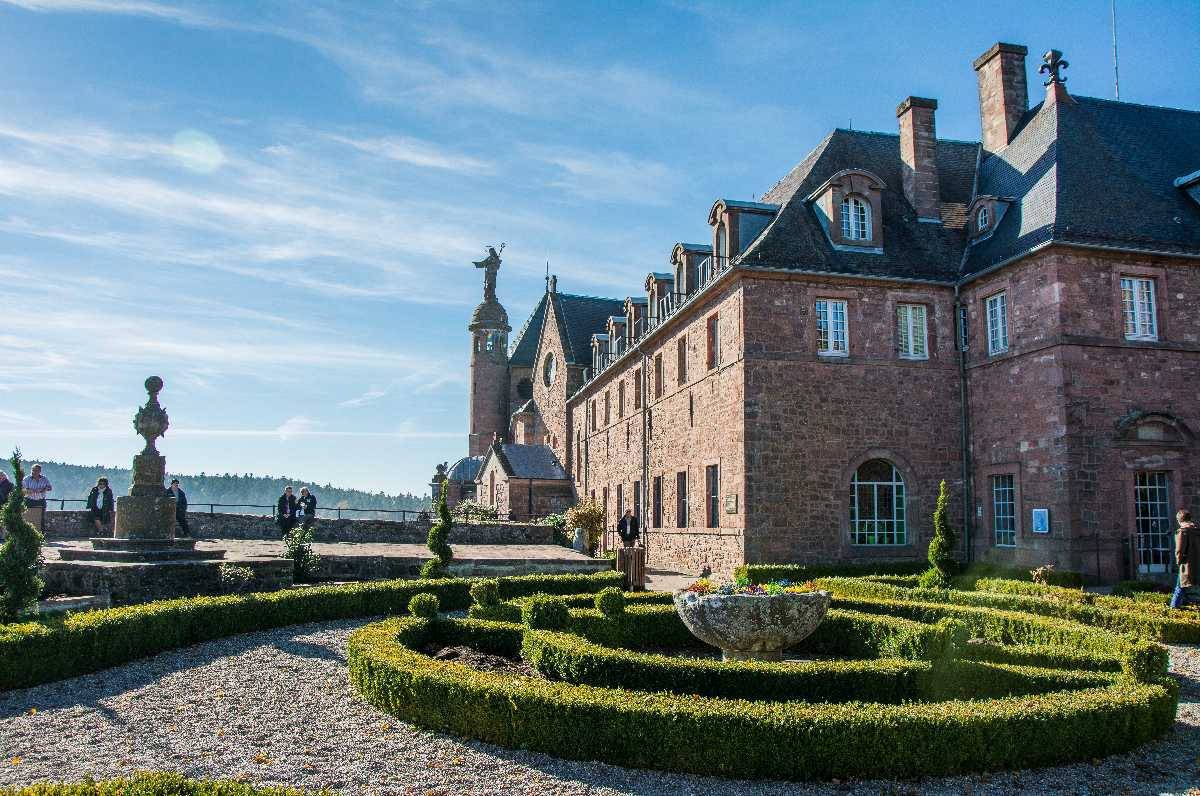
[(1041, 521)]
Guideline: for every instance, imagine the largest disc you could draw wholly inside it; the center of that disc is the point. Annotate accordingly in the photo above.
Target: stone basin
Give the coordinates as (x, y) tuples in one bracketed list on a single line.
[(752, 626)]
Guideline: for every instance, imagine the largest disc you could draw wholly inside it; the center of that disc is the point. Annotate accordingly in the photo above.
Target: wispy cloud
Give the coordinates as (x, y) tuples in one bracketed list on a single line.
[(610, 176), (417, 153)]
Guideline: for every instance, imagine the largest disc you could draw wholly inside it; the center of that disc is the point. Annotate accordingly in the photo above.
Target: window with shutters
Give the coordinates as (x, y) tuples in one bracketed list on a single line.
[(1137, 299), (911, 332)]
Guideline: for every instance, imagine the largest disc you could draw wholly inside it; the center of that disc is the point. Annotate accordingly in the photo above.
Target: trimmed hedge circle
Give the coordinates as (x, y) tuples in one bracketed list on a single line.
[(1099, 713)]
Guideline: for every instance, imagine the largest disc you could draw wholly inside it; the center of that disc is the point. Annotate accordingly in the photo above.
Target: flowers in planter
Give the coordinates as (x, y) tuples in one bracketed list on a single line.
[(707, 586)]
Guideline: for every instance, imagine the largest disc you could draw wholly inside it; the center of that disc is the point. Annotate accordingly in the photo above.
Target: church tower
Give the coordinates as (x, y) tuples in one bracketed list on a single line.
[(489, 362)]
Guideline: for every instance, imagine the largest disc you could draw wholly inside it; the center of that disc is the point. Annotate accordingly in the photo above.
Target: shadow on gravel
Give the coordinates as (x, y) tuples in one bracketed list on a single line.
[(89, 690)]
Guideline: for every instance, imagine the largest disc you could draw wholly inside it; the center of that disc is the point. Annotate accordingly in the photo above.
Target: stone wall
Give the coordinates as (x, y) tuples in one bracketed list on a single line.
[(128, 583), (75, 525)]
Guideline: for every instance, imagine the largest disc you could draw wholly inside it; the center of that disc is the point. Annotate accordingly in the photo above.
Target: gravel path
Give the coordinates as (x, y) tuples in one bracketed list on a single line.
[(276, 707)]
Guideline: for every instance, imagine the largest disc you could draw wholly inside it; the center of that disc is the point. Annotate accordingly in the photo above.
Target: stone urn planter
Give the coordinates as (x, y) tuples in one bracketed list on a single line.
[(752, 626)]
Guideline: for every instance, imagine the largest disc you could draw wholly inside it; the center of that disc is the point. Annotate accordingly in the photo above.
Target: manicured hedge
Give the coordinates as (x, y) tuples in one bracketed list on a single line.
[(1043, 655), (32, 652), (510, 610), (152, 783), (738, 738), (1178, 626), (765, 573)]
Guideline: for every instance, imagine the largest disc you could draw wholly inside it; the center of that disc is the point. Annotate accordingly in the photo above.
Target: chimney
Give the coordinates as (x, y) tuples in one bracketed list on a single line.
[(1003, 93), (918, 151), (552, 284)]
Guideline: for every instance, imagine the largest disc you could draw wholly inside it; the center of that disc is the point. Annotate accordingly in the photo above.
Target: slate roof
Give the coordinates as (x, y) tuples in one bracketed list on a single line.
[(579, 318), (1093, 172), (795, 239), (465, 469), (527, 461)]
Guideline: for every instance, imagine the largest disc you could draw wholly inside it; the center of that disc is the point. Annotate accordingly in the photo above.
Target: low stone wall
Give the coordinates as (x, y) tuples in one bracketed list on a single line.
[(202, 525), (127, 583)]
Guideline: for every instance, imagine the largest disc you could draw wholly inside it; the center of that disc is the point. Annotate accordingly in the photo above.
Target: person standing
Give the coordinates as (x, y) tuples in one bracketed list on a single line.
[(180, 506), (36, 486), (6, 487), (100, 504), (627, 528), (306, 508), (285, 511), (1187, 556)]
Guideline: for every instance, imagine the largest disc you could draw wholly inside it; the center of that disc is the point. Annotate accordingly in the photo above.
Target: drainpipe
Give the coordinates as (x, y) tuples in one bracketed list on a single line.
[(964, 427)]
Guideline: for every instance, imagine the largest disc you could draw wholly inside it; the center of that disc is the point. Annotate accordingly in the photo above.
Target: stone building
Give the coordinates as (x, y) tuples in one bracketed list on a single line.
[(1013, 316)]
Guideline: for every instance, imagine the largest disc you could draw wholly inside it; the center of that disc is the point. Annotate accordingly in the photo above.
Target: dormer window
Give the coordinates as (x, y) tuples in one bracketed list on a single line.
[(982, 219), (985, 214), (849, 206), (856, 218)]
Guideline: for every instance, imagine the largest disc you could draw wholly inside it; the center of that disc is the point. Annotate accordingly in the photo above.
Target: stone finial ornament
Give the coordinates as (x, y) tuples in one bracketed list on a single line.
[(151, 421), (1053, 63)]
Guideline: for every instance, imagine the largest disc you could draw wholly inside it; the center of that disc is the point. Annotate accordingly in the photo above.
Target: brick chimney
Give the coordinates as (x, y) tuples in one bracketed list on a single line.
[(1003, 93), (918, 151)]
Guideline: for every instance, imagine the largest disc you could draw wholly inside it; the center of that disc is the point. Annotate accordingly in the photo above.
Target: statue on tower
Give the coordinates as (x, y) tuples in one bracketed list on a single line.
[(490, 264)]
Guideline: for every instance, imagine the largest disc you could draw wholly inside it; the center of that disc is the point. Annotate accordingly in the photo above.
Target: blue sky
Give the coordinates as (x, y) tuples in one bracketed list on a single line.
[(274, 205)]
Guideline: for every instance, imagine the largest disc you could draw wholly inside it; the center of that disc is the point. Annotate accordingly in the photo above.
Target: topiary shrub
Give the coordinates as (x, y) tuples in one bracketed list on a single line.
[(20, 555), (543, 612), (424, 605), (1145, 661), (438, 541), (297, 544), (611, 602), (588, 515), (942, 563), (486, 592)]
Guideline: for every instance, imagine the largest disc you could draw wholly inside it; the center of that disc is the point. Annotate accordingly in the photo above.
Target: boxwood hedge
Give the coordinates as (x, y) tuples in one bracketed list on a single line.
[(741, 738), (155, 783), (37, 652)]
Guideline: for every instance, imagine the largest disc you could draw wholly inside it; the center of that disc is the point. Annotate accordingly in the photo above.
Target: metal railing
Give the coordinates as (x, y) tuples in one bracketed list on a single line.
[(328, 512), (707, 271)]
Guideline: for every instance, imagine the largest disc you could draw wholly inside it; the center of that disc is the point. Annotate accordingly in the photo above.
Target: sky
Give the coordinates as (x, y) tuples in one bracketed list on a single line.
[(275, 205)]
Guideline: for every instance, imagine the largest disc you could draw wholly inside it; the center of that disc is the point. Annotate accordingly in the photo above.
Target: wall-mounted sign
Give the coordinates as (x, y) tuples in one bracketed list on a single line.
[(1041, 521), (731, 504)]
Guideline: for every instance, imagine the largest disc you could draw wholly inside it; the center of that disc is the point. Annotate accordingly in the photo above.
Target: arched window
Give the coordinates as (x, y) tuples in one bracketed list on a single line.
[(982, 219), (856, 218), (877, 515), (721, 245), (549, 369)]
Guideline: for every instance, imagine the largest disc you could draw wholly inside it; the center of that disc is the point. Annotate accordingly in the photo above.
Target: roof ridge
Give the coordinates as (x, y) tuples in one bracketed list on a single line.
[(897, 135), (1135, 104), (590, 298)]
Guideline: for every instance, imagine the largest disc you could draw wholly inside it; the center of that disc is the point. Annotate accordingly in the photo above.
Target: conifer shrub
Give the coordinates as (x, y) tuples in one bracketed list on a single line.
[(298, 546), (20, 555), (438, 541), (424, 606), (942, 563), (610, 602)]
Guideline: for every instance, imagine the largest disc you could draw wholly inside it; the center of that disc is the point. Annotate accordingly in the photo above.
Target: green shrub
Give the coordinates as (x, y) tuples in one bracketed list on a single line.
[(743, 738), (438, 540), (588, 515), (1130, 588), (942, 563), (1047, 656), (524, 585), (510, 611), (235, 578), (424, 606), (542, 612), (799, 573), (155, 783), (41, 652), (485, 592), (639, 627), (20, 554), (1145, 661), (297, 544), (610, 602)]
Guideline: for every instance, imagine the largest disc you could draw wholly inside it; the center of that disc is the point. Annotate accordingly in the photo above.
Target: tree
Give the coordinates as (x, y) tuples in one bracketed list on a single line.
[(588, 515), (439, 540), (20, 555), (942, 563)]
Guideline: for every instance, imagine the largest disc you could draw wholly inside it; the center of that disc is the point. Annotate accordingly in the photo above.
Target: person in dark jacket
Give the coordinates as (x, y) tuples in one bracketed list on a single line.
[(1187, 556), (6, 487), (100, 504), (180, 506), (285, 512), (627, 528), (306, 508)]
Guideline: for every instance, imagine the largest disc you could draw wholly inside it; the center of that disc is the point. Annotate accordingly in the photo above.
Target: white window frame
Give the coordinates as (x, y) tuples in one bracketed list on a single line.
[(912, 331), (997, 322), (867, 532), (1004, 509), (833, 328), (856, 218), (982, 219), (1139, 308)]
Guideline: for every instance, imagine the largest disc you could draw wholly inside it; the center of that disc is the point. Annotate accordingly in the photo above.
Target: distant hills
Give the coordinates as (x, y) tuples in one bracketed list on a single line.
[(74, 482)]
